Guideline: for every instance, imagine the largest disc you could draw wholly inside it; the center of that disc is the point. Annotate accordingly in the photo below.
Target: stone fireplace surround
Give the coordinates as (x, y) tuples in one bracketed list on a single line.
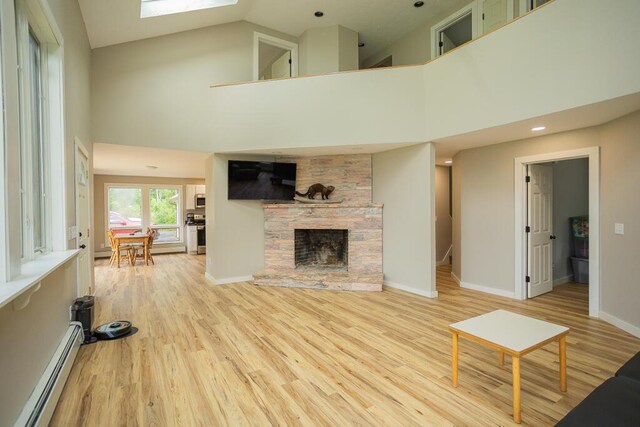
[(362, 271), (364, 265)]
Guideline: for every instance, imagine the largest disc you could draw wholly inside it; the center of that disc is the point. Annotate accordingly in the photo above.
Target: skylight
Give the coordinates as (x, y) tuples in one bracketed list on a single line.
[(150, 8)]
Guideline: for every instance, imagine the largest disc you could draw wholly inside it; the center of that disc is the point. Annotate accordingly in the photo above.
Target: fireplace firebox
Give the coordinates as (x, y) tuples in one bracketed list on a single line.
[(322, 248)]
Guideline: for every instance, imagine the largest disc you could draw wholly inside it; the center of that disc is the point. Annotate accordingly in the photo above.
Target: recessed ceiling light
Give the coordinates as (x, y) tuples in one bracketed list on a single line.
[(151, 167), (361, 44), (319, 14), (419, 4), (538, 128), (448, 162)]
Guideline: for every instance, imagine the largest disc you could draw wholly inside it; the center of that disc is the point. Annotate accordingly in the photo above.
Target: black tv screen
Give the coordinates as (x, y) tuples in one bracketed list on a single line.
[(261, 180)]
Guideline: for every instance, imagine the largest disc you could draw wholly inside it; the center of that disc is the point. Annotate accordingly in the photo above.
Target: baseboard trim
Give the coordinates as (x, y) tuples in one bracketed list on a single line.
[(563, 280), (618, 323), (455, 278), (433, 294), (485, 289), (228, 280)]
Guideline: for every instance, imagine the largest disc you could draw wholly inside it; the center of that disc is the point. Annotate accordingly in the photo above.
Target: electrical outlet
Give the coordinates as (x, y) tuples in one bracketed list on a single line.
[(618, 228)]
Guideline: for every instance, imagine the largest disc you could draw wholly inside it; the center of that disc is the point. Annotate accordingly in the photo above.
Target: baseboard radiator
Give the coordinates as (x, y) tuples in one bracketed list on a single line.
[(40, 406)]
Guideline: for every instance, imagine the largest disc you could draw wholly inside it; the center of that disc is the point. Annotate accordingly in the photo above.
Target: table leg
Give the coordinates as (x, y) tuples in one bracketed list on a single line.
[(501, 358), (515, 361), (562, 344), (118, 253), (454, 364), (146, 253)]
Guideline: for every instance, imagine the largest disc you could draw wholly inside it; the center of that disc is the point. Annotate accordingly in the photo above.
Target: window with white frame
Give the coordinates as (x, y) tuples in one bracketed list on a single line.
[(33, 45), (131, 208), (33, 183), (33, 150)]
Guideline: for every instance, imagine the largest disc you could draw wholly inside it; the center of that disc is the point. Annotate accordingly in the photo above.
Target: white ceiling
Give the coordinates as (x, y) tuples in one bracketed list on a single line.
[(110, 159), (379, 22), (561, 121)]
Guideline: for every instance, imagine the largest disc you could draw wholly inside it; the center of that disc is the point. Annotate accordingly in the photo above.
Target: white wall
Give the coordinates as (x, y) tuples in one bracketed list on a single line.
[(30, 336), (235, 228), (328, 50), (349, 108), (413, 48), (318, 51), (570, 198), (484, 215), (155, 92), (347, 49), (403, 181), (443, 222), (566, 66)]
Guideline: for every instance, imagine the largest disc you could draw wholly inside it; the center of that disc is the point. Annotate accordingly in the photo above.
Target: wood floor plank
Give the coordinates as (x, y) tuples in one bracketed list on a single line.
[(242, 355)]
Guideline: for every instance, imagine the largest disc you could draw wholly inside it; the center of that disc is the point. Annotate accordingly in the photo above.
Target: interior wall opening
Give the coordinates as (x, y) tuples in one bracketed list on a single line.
[(536, 233), (558, 227)]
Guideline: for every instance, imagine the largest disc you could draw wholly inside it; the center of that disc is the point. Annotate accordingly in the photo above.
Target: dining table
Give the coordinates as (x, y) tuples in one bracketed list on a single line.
[(130, 239)]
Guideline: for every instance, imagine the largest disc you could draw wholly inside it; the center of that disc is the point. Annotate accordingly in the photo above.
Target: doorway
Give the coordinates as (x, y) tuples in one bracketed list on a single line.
[(454, 31), (273, 58), (534, 224)]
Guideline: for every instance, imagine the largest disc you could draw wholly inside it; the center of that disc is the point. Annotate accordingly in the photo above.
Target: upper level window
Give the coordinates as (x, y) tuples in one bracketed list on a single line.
[(150, 8)]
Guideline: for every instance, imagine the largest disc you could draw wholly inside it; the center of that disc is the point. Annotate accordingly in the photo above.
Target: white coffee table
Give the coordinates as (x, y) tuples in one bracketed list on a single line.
[(515, 335)]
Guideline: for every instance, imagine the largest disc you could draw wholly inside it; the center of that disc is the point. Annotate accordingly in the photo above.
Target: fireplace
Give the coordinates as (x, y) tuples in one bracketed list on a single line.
[(321, 248)]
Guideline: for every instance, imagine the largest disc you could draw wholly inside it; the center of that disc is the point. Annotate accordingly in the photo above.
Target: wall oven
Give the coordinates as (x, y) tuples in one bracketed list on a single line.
[(200, 201)]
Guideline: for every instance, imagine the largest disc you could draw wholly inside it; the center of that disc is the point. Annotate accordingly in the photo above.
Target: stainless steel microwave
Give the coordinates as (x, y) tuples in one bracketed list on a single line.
[(200, 200)]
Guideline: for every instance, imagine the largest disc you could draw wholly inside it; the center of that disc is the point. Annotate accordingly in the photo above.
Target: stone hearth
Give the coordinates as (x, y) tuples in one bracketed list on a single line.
[(355, 264)]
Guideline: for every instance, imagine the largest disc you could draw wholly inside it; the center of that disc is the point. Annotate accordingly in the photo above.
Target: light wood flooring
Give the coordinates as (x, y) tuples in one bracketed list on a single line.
[(243, 355)]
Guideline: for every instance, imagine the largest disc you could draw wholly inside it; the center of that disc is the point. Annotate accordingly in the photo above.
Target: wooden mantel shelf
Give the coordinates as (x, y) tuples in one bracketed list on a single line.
[(320, 205)]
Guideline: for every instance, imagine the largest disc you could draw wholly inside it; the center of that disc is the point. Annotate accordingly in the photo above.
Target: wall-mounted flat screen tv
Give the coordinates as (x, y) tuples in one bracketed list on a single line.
[(261, 180)]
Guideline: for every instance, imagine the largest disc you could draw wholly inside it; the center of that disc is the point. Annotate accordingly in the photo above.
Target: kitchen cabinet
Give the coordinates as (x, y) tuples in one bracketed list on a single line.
[(192, 239), (190, 195)]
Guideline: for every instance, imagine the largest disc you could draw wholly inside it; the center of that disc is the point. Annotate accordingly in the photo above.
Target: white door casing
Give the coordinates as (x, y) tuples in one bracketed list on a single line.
[(83, 219), (273, 41), (494, 14), (540, 215)]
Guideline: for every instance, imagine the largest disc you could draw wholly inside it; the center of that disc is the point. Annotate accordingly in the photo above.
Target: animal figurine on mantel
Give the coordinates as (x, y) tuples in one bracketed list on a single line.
[(315, 189)]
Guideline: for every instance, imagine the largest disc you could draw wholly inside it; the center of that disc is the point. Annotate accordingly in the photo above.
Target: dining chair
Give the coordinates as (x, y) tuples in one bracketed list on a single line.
[(146, 248), (152, 236), (127, 249)]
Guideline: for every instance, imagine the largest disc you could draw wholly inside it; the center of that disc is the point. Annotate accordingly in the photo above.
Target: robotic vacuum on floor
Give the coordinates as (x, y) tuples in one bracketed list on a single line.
[(112, 330)]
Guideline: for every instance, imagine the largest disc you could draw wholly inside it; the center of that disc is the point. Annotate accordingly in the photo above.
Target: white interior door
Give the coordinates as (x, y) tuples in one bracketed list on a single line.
[(83, 222), (540, 235), (445, 43), (281, 68), (494, 14)]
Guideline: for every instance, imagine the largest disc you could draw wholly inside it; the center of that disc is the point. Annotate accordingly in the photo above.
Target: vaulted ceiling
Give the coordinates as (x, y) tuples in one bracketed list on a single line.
[(379, 22)]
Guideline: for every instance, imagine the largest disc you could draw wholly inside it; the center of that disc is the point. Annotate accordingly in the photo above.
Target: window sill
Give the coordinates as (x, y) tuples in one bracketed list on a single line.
[(20, 289)]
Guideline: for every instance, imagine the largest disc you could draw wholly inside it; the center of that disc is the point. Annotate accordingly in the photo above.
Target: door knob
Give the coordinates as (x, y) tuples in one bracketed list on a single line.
[(552, 237), (83, 246)]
